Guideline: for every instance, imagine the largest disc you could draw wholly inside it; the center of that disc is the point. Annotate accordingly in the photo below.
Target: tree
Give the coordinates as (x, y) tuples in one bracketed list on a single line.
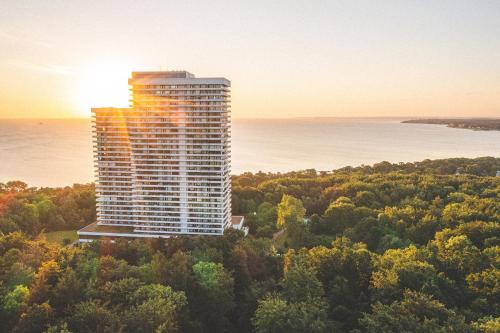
[(153, 315), (156, 309), (486, 283), (300, 284), (345, 271), (456, 255), (417, 312), (266, 214), (47, 212), (58, 328), (275, 315), (339, 215), (26, 216), (174, 271), (15, 300), (19, 274), (271, 316), (178, 271), (111, 269), (36, 318), (120, 292), (7, 225), (67, 291), (291, 214), (265, 220), (94, 317), (488, 325), (16, 186), (400, 269), (134, 252), (13, 303), (215, 292)]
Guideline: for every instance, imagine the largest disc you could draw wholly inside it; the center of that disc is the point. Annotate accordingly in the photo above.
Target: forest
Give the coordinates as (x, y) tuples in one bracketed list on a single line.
[(392, 247)]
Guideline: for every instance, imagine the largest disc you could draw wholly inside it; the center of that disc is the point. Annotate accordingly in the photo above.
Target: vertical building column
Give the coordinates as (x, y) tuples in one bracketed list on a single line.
[(183, 180)]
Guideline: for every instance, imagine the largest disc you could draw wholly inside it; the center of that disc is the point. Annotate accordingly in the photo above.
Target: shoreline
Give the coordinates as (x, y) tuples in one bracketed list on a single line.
[(475, 124)]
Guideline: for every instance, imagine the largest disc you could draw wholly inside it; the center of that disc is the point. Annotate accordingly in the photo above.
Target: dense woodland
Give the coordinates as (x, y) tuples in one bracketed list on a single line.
[(411, 247)]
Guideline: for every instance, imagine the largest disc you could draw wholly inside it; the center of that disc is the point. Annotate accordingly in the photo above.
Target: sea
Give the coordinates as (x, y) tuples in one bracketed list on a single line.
[(59, 152)]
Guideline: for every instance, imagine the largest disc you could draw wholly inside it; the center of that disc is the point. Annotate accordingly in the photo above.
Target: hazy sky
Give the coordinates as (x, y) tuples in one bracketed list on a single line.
[(284, 58)]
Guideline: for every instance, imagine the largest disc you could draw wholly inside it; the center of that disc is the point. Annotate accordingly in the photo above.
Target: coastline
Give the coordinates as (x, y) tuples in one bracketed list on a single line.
[(475, 124)]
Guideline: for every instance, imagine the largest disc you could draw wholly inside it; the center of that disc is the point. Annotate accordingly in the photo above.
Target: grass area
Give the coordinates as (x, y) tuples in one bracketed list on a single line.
[(94, 227), (60, 236)]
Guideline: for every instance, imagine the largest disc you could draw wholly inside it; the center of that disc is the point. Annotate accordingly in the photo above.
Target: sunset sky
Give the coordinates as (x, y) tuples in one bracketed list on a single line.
[(284, 58)]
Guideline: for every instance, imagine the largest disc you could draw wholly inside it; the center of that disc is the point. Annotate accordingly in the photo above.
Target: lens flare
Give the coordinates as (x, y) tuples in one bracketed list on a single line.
[(102, 85)]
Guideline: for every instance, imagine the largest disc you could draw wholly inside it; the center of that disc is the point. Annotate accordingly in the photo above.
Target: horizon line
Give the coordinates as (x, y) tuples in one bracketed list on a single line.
[(285, 118)]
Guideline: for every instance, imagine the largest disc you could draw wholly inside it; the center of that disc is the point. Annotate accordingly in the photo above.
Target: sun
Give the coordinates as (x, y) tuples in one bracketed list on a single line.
[(101, 85)]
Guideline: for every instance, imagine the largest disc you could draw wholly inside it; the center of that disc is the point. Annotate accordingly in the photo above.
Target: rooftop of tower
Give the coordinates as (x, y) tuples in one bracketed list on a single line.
[(173, 77), (163, 75)]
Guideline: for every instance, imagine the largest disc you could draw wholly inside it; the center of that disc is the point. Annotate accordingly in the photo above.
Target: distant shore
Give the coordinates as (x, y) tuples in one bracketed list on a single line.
[(476, 124)]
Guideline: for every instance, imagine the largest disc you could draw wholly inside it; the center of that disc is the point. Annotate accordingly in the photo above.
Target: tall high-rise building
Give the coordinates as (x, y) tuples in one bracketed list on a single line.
[(163, 165)]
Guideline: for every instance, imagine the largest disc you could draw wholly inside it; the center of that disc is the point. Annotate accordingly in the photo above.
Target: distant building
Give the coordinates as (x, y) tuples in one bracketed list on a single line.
[(163, 165), (498, 173)]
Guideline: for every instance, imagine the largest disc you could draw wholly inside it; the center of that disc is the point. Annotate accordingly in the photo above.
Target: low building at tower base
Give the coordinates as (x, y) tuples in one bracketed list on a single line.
[(96, 231)]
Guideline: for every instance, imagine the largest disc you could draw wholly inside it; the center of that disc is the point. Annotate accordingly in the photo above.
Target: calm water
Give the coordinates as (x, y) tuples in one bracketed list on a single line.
[(59, 152)]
